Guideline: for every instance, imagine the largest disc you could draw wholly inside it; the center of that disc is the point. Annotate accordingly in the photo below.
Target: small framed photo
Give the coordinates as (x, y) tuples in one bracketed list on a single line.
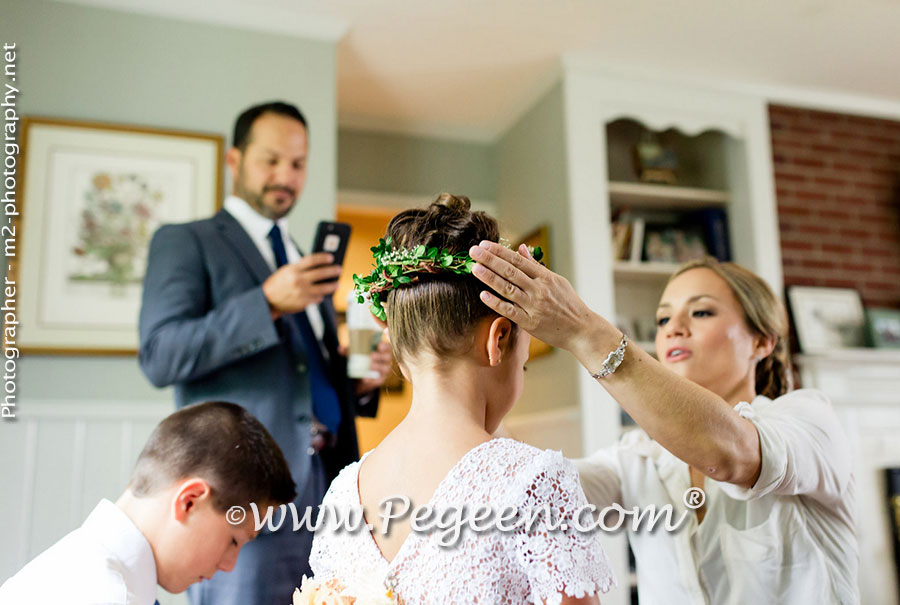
[(883, 328), (827, 318), (90, 198)]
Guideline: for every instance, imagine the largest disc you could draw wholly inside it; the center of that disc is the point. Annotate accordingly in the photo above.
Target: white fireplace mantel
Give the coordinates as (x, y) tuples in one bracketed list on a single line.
[(864, 386), (854, 377)]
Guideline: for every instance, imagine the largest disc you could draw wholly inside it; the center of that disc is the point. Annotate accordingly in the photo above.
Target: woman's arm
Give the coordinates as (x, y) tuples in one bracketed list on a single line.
[(693, 423)]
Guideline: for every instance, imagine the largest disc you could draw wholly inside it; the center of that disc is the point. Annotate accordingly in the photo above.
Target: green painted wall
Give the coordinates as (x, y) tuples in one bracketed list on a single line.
[(533, 190), (388, 163), (103, 65)]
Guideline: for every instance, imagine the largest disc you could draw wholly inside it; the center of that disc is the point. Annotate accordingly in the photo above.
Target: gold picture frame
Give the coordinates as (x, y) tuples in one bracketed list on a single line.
[(89, 199)]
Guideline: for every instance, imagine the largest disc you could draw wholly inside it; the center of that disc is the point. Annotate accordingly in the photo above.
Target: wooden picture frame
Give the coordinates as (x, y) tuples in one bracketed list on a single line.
[(90, 197), (539, 237)]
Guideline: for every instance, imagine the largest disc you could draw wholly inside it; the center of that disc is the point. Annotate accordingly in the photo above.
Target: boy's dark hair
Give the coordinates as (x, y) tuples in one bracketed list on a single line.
[(225, 445), (244, 122)]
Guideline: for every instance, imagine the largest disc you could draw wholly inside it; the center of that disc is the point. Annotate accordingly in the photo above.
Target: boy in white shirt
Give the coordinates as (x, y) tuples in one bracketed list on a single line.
[(169, 528)]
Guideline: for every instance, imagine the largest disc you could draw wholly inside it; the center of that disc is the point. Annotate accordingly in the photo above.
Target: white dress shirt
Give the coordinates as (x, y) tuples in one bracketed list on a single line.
[(791, 538), (106, 561), (257, 227)]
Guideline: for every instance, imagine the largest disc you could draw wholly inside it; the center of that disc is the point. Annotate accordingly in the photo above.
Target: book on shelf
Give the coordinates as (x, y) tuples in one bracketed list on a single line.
[(621, 238), (714, 224), (637, 240), (673, 243), (670, 237)]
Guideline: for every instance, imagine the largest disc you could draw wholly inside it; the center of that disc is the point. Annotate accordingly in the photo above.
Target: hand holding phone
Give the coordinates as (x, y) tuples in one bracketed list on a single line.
[(295, 286), (332, 237)]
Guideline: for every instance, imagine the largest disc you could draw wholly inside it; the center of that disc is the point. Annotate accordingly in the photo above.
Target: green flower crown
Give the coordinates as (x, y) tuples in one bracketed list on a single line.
[(395, 267)]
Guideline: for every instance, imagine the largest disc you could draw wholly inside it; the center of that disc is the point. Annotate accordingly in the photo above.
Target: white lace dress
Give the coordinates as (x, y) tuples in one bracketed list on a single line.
[(502, 567)]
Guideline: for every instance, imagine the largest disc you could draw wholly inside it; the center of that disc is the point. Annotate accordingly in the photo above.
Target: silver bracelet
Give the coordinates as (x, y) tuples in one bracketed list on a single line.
[(613, 360)]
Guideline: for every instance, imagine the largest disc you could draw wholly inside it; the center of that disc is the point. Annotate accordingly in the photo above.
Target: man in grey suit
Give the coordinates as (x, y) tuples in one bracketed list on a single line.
[(232, 311)]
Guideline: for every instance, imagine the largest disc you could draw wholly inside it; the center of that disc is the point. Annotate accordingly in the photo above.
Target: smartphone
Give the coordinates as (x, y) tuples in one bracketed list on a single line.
[(332, 237)]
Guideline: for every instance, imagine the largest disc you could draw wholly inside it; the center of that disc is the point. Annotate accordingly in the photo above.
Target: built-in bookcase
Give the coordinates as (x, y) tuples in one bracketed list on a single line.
[(721, 141)]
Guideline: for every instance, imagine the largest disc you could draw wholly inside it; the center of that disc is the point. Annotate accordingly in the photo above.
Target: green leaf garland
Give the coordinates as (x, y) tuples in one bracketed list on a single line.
[(401, 266)]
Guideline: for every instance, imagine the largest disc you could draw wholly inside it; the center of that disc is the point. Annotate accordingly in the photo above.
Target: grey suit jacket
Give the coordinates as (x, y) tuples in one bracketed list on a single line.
[(205, 327)]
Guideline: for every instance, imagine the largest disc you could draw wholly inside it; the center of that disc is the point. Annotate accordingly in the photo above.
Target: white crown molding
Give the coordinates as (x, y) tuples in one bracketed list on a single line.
[(823, 100), (232, 13), (771, 92), (417, 128)]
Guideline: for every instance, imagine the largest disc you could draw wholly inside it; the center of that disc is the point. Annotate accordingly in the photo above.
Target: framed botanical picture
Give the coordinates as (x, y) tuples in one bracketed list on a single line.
[(540, 237), (827, 318), (90, 198)]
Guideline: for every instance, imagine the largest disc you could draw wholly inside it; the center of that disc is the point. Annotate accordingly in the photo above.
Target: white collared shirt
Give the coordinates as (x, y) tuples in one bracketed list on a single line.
[(105, 561), (791, 538), (257, 227)]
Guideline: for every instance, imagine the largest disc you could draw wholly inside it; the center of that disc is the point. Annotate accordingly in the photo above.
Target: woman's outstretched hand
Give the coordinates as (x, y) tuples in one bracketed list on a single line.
[(541, 302)]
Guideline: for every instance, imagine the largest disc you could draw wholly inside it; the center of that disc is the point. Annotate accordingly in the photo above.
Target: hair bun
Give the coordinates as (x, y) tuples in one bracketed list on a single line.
[(455, 204), (447, 223)]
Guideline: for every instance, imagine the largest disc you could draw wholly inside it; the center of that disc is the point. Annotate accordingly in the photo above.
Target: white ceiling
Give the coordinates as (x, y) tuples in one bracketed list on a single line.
[(467, 68)]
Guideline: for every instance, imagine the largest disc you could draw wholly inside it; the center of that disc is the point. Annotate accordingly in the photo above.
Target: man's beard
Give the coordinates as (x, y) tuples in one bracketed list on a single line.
[(255, 199)]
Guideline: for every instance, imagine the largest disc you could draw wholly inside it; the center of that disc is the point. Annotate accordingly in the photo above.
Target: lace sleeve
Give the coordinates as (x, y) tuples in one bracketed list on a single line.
[(557, 558)]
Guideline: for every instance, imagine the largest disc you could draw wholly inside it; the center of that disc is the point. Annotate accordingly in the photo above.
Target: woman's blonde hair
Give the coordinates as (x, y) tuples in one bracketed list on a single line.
[(765, 316)]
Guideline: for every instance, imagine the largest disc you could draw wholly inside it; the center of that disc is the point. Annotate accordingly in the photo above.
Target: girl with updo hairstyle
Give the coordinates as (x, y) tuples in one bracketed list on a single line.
[(763, 471), (465, 363), (436, 316)]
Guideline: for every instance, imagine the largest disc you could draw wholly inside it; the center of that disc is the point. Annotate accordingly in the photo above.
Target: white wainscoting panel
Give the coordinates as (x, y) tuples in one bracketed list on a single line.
[(59, 458)]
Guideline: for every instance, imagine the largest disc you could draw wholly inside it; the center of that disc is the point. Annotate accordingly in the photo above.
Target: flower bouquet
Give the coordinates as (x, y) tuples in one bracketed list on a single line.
[(371, 590)]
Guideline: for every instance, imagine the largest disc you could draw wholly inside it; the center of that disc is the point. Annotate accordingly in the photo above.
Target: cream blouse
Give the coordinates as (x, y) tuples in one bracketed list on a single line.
[(791, 538)]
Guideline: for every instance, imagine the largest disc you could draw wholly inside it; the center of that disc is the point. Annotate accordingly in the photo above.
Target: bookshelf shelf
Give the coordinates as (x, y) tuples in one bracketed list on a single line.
[(643, 195), (643, 270)]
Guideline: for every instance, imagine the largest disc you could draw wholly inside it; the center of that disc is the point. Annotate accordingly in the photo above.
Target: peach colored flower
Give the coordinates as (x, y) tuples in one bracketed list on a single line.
[(372, 589), (313, 592)]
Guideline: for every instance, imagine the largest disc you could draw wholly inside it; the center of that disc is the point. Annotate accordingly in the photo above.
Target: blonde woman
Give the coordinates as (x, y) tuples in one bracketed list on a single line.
[(716, 412)]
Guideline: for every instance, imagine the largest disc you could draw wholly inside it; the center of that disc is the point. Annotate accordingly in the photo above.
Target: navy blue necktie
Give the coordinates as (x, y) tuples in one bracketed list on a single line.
[(325, 404)]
